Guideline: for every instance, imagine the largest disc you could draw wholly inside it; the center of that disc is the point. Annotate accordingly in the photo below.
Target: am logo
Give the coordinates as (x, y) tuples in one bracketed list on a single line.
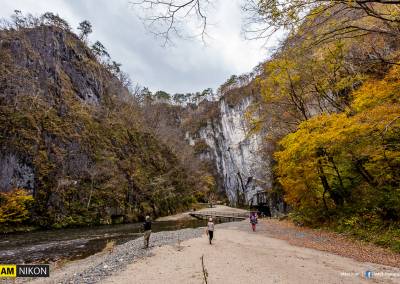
[(24, 270), (8, 270)]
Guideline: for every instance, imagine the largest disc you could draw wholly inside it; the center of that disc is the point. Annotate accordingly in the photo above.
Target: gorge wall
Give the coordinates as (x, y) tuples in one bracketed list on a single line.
[(75, 141), (237, 154)]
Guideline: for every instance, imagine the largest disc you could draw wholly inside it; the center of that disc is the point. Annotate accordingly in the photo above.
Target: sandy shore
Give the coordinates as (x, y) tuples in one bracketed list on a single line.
[(241, 256)]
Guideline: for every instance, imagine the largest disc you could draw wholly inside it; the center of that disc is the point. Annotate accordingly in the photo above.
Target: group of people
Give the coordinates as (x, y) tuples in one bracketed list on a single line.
[(210, 225), (209, 229)]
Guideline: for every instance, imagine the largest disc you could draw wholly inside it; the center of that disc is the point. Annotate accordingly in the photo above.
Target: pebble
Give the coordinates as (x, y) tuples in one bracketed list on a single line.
[(129, 252)]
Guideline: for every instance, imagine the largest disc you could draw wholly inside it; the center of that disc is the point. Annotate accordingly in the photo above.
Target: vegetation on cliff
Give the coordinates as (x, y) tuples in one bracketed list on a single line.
[(343, 168), (333, 100), (75, 138)]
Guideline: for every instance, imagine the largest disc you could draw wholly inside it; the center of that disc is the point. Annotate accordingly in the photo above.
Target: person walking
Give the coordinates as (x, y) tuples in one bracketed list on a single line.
[(210, 230), (147, 231), (253, 220)]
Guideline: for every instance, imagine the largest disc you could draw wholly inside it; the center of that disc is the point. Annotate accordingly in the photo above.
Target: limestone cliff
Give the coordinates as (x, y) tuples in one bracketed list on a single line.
[(242, 165)]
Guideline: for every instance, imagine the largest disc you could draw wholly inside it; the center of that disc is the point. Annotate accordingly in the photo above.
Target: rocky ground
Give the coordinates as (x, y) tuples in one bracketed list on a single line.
[(97, 267)]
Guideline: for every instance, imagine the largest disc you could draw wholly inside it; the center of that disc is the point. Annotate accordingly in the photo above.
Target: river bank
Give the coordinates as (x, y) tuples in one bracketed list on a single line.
[(27, 228), (63, 245), (111, 260), (68, 244), (278, 252), (177, 252)]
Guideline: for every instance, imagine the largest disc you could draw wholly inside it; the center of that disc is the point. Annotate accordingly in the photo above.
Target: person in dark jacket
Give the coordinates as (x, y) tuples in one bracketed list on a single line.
[(147, 231)]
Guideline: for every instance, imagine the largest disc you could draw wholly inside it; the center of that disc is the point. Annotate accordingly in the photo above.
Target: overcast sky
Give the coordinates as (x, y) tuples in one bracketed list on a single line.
[(188, 66)]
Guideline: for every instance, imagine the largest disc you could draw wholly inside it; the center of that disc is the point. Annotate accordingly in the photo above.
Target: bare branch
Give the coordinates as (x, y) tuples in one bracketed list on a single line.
[(168, 19), (189, 18)]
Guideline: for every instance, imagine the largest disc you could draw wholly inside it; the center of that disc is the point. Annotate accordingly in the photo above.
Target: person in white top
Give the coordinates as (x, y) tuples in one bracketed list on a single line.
[(210, 229)]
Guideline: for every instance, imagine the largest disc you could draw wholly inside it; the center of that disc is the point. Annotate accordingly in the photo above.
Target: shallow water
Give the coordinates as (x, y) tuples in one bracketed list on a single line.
[(76, 243)]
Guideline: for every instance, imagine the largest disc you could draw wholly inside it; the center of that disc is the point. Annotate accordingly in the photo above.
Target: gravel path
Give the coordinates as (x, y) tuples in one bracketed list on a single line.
[(239, 256)]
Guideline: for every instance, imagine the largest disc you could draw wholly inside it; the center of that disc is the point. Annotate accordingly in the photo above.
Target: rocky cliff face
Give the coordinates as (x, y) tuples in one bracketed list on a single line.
[(73, 137), (236, 153), (14, 173), (46, 62)]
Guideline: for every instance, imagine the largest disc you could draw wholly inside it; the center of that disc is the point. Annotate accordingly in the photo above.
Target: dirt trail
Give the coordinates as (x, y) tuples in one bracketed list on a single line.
[(241, 256)]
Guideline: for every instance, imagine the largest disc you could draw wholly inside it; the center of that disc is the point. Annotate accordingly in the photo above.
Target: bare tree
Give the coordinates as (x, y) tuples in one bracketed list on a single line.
[(332, 19), (168, 18)]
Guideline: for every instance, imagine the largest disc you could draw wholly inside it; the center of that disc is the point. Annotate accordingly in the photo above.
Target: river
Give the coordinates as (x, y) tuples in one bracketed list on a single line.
[(75, 243)]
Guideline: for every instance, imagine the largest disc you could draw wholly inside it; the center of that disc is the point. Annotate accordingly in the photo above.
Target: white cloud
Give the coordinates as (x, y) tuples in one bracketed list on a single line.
[(187, 66)]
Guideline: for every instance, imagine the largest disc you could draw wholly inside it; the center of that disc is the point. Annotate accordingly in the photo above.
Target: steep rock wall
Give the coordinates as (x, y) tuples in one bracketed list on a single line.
[(236, 153), (72, 136)]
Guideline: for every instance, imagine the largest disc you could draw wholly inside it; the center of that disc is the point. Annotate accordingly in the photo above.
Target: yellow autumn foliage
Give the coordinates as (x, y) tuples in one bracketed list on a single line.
[(376, 92), (14, 206), (349, 159)]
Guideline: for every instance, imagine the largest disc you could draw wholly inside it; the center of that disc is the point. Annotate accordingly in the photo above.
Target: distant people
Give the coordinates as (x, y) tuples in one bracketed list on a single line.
[(253, 220), (210, 229), (147, 231)]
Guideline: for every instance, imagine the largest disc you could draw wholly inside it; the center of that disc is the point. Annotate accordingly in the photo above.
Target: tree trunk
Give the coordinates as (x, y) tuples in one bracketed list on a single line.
[(364, 173), (91, 192), (324, 182)]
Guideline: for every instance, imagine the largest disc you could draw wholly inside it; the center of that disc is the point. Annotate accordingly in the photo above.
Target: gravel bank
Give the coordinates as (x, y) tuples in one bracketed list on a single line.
[(98, 267)]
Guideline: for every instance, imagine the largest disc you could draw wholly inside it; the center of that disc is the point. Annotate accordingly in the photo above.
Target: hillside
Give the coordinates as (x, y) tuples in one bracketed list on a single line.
[(74, 146), (330, 102)]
